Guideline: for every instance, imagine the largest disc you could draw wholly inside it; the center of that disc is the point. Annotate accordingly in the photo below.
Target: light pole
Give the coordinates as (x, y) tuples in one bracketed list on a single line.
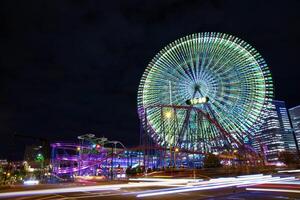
[(176, 150), (113, 149), (168, 115)]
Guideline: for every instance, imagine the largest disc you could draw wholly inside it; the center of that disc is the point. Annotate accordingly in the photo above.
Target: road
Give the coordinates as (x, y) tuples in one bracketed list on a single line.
[(245, 187), (219, 194)]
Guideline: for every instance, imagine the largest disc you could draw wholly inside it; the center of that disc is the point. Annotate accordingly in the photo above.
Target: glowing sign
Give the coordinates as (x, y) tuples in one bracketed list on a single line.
[(31, 182), (195, 101)]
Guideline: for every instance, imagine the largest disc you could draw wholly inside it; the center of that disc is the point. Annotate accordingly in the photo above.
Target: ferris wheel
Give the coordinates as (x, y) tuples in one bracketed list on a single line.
[(204, 91)]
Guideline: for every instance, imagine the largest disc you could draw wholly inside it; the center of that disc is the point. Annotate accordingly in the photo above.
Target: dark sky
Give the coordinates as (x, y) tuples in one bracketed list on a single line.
[(73, 67)]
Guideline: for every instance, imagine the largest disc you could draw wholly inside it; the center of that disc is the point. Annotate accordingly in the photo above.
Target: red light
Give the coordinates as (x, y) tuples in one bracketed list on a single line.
[(98, 146)]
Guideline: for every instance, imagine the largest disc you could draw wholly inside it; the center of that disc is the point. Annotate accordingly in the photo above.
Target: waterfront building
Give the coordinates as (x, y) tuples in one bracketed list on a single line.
[(295, 119), (276, 134)]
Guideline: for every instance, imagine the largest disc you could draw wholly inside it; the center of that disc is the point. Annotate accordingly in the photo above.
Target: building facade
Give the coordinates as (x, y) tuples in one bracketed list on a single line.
[(295, 119), (276, 134)]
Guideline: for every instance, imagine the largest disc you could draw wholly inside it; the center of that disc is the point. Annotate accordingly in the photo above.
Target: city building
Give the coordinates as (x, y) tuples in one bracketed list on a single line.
[(276, 134), (295, 119)]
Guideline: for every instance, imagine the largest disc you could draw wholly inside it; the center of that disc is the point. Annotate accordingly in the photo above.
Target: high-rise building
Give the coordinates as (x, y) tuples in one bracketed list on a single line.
[(276, 134), (295, 118)]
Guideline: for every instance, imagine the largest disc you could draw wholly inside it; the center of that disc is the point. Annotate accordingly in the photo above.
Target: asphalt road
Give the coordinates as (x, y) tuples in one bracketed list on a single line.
[(228, 193), (255, 187)]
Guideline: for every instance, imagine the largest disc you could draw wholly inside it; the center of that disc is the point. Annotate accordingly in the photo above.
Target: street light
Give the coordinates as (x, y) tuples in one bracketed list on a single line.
[(176, 150), (168, 114)]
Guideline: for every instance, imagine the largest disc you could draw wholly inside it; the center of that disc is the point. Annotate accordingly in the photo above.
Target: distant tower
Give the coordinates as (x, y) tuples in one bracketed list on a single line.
[(295, 118), (276, 133)]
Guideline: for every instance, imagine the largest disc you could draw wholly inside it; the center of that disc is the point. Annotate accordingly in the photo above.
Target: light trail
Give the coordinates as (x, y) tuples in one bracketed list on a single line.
[(272, 190), (289, 182), (174, 185), (219, 183), (289, 171), (165, 179), (252, 175), (56, 191), (268, 180), (88, 188), (183, 190)]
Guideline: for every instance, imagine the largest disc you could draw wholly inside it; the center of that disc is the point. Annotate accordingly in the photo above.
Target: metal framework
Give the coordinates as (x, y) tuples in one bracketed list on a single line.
[(183, 135), (89, 155)]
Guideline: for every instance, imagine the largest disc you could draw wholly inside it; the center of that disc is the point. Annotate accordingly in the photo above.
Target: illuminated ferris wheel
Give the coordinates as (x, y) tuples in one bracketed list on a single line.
[(203, 92)]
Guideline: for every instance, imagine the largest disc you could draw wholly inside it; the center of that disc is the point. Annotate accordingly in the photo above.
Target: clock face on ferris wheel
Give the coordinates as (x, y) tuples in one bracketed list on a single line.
[(216, 73)]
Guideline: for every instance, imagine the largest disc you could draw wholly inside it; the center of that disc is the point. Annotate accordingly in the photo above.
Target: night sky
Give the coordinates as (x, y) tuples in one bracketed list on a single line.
[(73, 67)]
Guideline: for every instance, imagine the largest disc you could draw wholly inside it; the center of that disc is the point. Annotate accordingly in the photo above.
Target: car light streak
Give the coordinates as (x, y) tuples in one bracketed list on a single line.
[(268, 180), (250, 176), (56, 191), (165, 180), (272, 190), (216, 183), (181, 185), (287, 182), (81, 189), (289, 171), (185, 190)]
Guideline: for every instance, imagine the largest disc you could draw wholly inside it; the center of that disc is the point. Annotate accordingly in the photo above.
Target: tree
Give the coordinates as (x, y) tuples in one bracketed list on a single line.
[(129, 171), (211, 161), (40, 159), (288, 157)]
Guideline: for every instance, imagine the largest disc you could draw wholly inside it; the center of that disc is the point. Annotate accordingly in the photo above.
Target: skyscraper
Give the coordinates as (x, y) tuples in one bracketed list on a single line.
[(276, 134), (295, 118)]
